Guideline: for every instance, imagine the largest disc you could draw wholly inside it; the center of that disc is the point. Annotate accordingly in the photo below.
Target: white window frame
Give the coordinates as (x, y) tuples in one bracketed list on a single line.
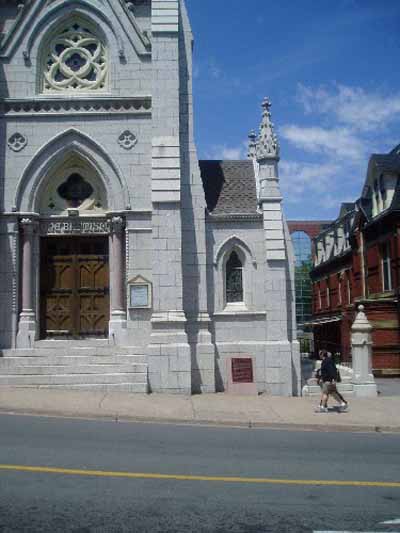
[(340, 301), (328, 294), (348, 287), (386, 263), (319, 297)]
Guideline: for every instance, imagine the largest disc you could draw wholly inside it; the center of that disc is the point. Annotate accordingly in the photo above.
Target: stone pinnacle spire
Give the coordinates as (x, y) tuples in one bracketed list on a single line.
[(267, 144)]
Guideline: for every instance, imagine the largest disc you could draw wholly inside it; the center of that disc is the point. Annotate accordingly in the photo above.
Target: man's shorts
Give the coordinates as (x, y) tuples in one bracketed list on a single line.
[(328, 387)]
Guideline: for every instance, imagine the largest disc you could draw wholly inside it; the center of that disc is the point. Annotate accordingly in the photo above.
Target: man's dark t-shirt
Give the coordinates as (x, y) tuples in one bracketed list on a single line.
[(328, 369)]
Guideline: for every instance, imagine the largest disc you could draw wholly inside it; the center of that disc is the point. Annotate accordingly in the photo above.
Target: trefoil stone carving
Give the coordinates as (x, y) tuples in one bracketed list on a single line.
[(127, 140), (17, 142)]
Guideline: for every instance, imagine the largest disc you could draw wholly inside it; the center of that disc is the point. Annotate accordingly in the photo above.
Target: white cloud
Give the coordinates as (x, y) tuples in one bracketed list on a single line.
[(299, 179), (214, 69), (332, 201), (335, 142), (352, 106), (338, 151), (222, 151)]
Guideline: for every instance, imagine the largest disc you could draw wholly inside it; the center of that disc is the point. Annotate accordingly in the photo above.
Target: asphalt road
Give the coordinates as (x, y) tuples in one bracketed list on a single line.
[(278, 480)]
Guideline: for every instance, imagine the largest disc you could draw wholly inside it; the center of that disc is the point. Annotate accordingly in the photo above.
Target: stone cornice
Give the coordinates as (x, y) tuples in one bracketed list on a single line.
[(85, 105), (235, 217), (239, 314)]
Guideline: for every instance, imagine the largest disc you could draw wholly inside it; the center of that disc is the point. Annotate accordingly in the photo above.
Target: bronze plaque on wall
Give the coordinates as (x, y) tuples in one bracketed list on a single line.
[(242, 370)]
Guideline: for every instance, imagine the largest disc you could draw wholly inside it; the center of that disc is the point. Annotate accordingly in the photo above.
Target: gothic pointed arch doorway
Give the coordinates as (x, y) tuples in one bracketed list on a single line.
[(74, 257), (70, 199)]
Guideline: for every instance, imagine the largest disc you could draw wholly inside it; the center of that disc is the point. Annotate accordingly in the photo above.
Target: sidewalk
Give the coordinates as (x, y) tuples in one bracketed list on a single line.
[(369, 414)]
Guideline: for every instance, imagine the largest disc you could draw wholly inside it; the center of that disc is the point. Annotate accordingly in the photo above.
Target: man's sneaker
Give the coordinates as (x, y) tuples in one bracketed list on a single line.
[(344, 406), (321, 409)]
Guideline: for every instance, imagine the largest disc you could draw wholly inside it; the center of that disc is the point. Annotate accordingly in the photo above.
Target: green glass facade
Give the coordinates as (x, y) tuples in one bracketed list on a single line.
[(303, 265)]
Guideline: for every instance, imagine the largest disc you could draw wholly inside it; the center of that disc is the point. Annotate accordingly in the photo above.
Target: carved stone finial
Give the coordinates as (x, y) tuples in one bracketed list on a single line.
[(361, 323), (252, 145), (267, 144)]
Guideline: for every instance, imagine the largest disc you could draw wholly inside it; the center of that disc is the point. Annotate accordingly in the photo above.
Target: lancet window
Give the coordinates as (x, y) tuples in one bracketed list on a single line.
[(234, 279)]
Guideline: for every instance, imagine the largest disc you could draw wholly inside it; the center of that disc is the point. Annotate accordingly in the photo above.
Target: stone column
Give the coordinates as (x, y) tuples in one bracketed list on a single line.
[(361, 345), (169, 356), (117, 296), (27, 319)]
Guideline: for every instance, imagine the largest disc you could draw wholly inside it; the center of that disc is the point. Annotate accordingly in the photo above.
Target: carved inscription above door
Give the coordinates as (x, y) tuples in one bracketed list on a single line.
[(74, 287)]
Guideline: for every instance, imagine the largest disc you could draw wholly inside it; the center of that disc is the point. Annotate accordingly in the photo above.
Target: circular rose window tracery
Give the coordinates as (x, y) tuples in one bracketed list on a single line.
[(76, 61)]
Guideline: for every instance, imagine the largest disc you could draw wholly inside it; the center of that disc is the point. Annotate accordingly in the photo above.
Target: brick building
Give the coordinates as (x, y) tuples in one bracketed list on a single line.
[(357, 260)]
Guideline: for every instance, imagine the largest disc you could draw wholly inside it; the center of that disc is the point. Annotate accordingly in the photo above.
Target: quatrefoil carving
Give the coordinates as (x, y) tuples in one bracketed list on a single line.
[(127, 140), (17, 142)]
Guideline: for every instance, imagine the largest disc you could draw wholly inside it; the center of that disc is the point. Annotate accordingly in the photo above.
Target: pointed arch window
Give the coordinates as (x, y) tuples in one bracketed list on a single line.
[(234, 279), (74, 60)]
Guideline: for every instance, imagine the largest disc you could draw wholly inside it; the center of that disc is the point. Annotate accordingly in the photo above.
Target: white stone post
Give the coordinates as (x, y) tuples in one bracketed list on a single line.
[(27, 319), (361, 344), (117, 297)]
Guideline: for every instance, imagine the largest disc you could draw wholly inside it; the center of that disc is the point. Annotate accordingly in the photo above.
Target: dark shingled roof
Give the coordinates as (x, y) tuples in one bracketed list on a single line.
[(229, 187), (387, 162)]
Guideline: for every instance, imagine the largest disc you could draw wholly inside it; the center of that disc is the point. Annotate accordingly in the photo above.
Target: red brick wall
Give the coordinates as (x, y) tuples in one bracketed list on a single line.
[(382, 312), (311, 227), (374, 275), (385, 335)]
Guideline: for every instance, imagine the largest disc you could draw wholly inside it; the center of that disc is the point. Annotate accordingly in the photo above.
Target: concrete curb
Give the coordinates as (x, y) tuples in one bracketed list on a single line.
[(380, 415), (203, 422)]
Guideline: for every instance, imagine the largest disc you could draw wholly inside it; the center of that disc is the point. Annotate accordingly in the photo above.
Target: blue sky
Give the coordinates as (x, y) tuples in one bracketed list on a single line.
[(331, 70)]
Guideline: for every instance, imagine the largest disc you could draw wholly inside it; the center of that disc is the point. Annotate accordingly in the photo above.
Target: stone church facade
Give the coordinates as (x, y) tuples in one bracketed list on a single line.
[(122, 254)]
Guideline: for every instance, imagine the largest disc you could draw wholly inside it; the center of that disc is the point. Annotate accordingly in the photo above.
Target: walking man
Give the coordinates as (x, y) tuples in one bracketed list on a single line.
[(327, 377)]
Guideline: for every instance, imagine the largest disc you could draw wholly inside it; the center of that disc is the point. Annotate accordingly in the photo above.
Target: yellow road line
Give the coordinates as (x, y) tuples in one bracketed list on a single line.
[(177, 477)]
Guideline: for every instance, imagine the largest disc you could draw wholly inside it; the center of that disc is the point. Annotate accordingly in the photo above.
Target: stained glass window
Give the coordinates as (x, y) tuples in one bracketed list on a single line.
[(234, 279)]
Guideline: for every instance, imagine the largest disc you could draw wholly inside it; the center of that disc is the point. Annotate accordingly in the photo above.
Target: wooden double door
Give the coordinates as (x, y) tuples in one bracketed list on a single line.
[(74, 287)]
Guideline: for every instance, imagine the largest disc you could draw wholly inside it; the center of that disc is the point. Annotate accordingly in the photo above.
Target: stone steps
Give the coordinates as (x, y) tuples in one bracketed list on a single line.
[(32, 370), (71, 360), (82, 366), (347, 389), (74, 351), (72, 343), (72, 379), (136, 388)]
